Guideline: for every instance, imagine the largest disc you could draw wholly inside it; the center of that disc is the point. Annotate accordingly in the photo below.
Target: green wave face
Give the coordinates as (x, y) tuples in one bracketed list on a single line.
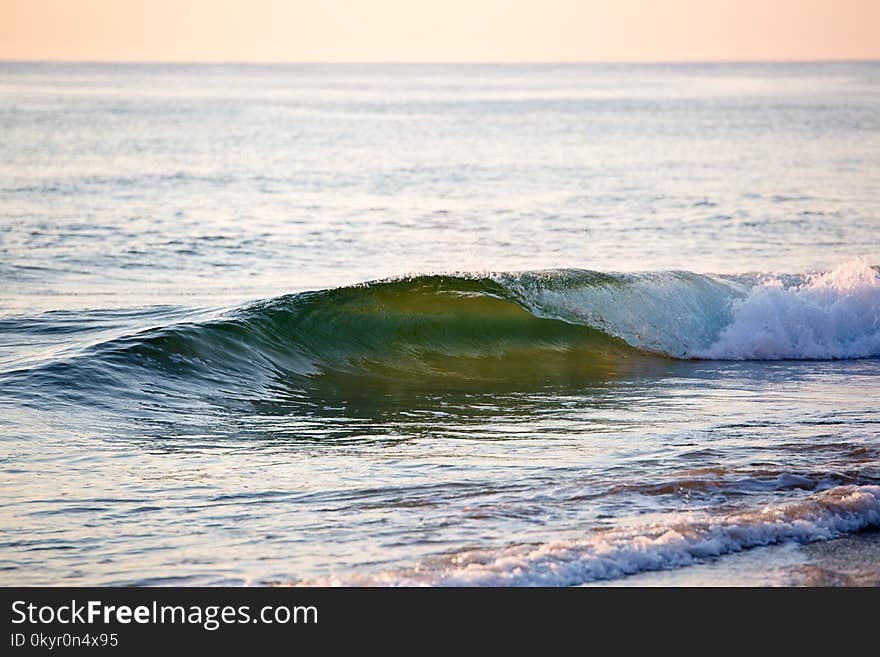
[(454, 328), (438, 329)]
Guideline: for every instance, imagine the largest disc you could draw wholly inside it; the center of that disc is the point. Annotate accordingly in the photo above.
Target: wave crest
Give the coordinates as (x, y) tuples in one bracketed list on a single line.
[(569, 325)]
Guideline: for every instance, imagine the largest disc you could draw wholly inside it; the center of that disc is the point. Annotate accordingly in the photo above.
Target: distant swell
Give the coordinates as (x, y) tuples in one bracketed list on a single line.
[(628, 550)]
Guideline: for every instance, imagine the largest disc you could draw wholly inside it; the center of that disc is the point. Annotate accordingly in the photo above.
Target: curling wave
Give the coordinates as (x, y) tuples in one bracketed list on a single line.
[(515, 326)]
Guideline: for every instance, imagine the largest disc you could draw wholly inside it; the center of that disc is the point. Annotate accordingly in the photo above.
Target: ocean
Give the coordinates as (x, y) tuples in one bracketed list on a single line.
[(439, 324)]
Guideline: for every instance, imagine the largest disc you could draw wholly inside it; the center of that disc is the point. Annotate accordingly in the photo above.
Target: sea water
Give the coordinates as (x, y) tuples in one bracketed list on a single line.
[(435, 325)]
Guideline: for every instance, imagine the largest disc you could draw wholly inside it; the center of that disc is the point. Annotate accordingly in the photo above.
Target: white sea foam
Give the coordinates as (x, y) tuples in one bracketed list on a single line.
[(831, 315), (615, 553), (827, 316)]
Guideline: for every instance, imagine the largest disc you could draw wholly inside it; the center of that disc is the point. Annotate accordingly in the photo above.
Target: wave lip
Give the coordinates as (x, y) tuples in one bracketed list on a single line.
[(625, 551)]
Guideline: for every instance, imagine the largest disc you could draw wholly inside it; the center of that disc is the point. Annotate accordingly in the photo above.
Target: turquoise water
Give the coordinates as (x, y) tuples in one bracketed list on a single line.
[(443, 325)]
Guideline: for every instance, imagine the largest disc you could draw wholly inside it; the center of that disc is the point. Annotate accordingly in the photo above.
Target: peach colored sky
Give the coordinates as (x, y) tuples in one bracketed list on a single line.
[(439, 30)]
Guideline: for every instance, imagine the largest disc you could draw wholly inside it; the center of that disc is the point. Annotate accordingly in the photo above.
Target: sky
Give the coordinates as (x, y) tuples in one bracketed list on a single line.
[(438, 30)]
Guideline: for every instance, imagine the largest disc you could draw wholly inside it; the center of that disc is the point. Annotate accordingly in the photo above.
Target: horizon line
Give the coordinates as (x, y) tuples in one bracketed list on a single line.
[(378, 62)]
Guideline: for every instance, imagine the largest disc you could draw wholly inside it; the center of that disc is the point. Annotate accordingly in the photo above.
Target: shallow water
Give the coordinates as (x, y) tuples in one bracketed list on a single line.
[(620, 319)]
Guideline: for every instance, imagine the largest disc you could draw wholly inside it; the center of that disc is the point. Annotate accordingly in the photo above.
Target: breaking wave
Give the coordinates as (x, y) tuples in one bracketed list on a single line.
[(509, 326), (623, 551)]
